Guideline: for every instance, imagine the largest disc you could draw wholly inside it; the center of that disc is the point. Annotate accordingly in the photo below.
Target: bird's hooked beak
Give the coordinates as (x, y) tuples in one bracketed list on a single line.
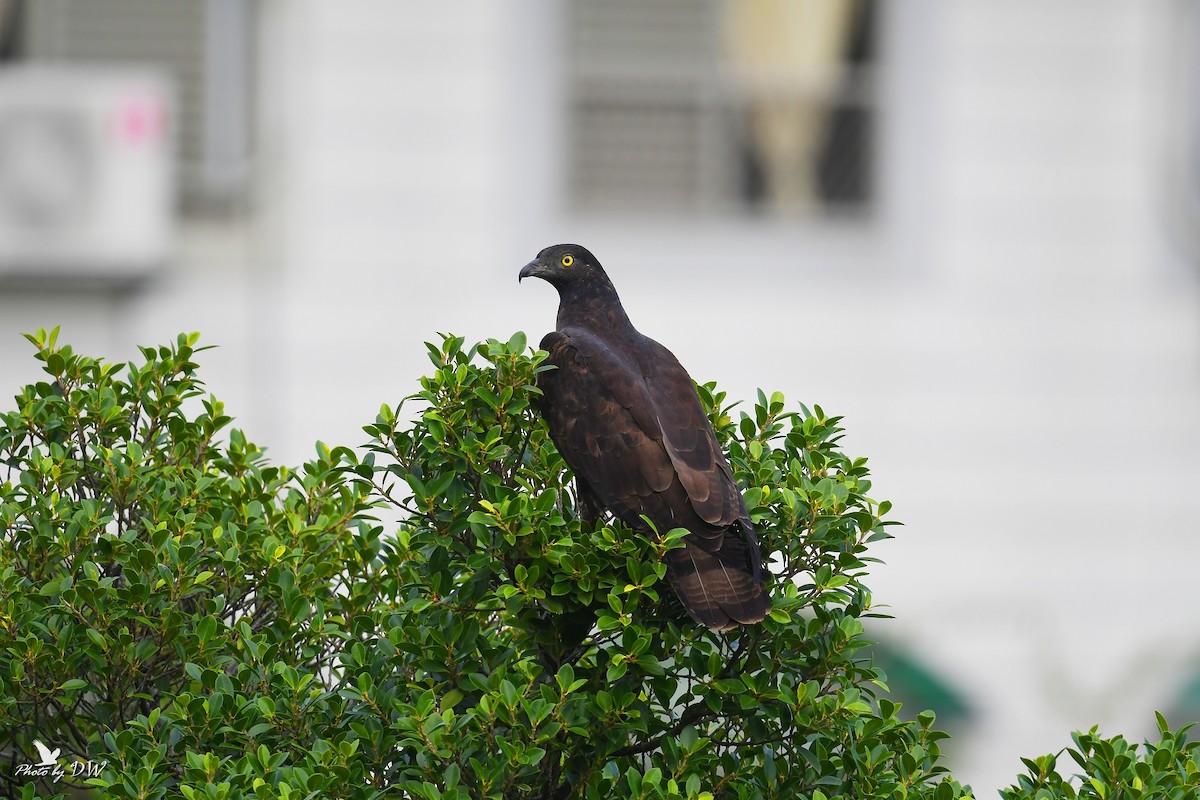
[(533, 269)]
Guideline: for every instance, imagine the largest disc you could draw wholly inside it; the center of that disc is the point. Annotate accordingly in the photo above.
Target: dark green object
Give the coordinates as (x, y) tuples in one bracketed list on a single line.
[(912, 681), (1187, 704)]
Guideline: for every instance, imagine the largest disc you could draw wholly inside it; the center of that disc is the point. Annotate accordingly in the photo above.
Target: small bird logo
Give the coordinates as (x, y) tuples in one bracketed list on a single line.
[(49, 758)]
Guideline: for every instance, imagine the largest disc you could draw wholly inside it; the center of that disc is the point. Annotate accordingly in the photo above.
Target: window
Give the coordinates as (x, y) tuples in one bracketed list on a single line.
[(721, 106)]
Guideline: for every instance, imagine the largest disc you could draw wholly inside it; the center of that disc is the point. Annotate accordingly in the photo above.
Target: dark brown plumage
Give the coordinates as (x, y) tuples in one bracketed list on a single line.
[(627, 420)]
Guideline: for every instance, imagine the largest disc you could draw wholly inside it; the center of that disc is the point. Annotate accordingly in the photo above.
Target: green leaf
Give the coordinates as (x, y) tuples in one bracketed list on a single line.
[(509, 693), (452, 698), (206, 628), (55, 364)]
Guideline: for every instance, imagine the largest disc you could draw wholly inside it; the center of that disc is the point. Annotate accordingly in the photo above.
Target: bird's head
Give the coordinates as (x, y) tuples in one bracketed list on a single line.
[(564, 264)]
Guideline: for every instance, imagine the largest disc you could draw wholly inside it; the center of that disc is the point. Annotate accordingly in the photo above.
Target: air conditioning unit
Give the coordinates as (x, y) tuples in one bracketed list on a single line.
[(86, 176)]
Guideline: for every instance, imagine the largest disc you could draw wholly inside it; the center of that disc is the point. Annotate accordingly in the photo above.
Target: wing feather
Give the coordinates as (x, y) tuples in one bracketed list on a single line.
[(690, 441), (603, 438)]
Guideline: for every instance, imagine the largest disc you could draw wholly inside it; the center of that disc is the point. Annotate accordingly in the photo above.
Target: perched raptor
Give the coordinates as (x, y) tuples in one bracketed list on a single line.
[(627, 420)]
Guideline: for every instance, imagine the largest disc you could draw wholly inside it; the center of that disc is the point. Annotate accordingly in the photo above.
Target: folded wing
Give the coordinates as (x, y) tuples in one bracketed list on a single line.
[(631, 427)]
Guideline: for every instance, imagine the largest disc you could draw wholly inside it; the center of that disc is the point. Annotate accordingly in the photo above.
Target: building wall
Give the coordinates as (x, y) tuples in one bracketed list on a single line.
[(1043, 444), (1011, 338)]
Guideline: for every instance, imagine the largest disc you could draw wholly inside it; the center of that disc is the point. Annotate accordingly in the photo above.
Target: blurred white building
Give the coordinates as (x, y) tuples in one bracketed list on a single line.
[(994, 280)]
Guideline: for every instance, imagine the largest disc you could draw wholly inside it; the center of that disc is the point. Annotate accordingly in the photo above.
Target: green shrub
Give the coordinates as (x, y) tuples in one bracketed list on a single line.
[(1114, 769), (190, 621), (171, 605), (485, 664)]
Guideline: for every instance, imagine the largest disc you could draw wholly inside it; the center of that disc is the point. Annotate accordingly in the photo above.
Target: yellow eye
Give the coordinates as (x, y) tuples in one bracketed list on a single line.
[(567, 261)]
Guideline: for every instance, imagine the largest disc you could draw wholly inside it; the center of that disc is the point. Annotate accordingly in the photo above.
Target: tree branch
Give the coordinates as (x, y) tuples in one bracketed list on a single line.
[(697, 712)]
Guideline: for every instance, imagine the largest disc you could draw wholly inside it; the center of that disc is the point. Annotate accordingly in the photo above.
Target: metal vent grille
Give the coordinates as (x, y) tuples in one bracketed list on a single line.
[(640, 73), (623, 35), (645, 154)]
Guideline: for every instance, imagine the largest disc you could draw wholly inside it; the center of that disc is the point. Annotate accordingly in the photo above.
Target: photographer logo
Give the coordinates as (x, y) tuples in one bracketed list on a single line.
[(48, 766)]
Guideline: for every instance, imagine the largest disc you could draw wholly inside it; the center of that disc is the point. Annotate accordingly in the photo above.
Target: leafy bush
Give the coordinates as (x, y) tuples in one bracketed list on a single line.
[(1114, 769), (184, 619), (522, 653), (171, 605)]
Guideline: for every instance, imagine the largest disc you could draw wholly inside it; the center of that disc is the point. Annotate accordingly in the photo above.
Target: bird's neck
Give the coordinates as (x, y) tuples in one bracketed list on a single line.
[(595, 307)]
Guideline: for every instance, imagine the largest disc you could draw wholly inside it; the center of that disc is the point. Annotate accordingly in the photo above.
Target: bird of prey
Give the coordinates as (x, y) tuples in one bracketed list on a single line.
[(626, 418)]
